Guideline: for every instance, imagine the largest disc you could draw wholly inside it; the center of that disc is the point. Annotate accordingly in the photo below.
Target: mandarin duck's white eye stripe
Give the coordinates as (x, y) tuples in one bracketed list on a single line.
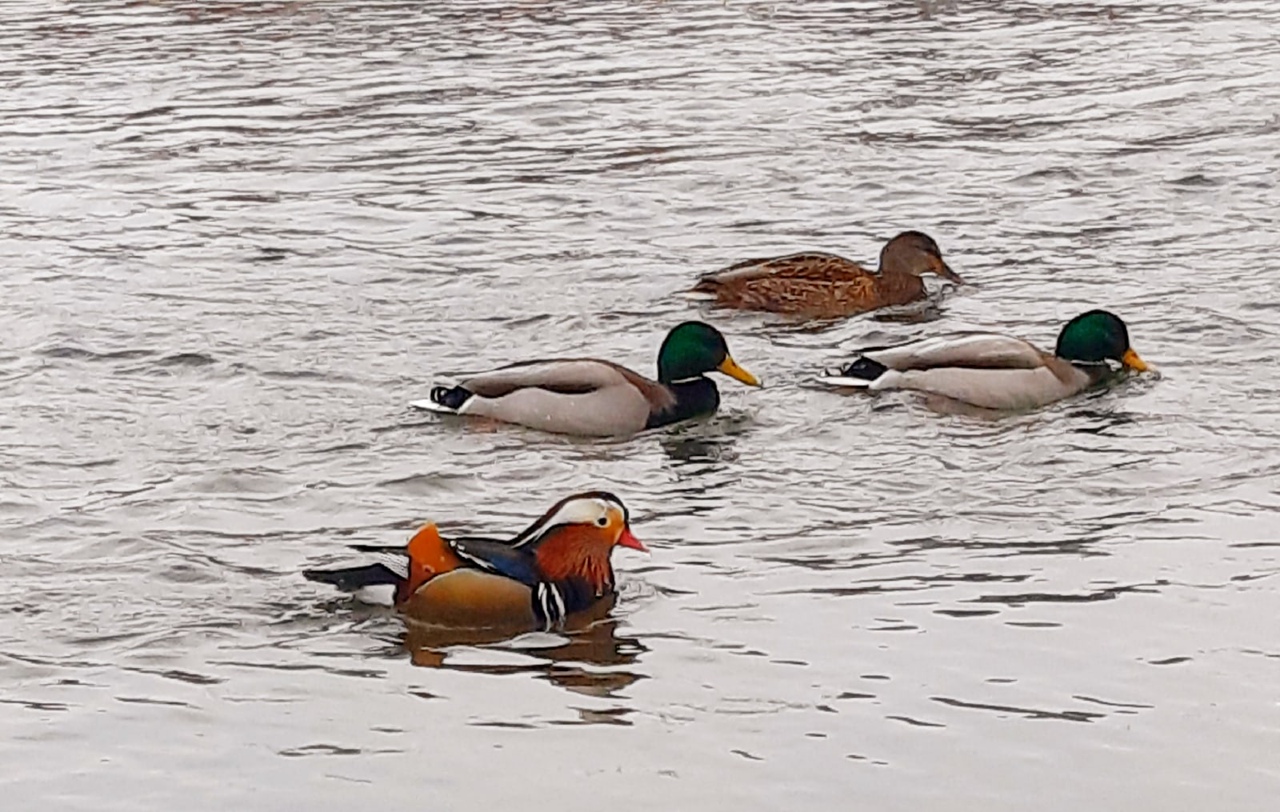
[(580, 511), (575, 510)]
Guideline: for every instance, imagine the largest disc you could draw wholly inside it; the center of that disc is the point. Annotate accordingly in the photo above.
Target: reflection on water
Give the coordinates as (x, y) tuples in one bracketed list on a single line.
[(583, 659), (239, 238)]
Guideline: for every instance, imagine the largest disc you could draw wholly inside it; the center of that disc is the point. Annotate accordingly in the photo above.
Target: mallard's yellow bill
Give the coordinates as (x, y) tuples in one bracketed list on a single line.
[(730, 367), (1132, 361)]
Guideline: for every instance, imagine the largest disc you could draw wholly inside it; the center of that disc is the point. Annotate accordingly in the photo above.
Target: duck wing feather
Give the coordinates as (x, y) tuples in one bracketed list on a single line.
[(811, 266), (571, 376), (576, 396), (963, 350)]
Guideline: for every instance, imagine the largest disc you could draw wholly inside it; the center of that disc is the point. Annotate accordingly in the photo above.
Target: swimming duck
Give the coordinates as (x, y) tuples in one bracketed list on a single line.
[(587, 396), (826, 286), (558, 566), (994, 371)]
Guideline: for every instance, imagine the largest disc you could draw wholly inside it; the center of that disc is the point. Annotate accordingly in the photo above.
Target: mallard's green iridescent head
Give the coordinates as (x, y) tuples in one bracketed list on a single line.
[(1096, 337), (694, 348)]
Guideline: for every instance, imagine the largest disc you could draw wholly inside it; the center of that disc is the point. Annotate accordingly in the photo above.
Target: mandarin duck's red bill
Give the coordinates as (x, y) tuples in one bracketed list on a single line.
[(558, 566)]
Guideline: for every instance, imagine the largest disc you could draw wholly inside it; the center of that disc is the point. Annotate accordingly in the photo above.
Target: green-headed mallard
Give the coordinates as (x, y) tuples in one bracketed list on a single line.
[(591, 397), (995, 371), (557, 567), (828, 286)]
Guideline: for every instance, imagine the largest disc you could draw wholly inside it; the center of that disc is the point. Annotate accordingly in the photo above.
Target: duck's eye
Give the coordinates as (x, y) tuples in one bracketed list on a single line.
[(602, 521)]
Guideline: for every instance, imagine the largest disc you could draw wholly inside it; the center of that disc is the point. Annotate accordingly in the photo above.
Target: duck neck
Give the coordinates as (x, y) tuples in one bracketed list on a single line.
[(1096, 373), (693, 397), (578, 563), (898, 286)]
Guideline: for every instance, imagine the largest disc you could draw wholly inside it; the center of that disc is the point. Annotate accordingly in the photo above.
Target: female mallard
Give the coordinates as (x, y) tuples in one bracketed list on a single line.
[(827, 286), (994, 371), (558, 567), (590, 397)]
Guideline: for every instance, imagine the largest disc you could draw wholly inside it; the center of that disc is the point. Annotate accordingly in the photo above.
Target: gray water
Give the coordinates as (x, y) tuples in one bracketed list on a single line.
[(238, 238)]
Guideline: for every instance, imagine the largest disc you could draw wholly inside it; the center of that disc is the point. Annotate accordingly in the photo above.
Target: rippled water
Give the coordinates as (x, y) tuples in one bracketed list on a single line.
[(238, 238)]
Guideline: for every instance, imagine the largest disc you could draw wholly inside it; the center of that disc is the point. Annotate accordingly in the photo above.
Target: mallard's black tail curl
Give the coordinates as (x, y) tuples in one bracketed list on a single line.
[(450, 397), (864, 369)]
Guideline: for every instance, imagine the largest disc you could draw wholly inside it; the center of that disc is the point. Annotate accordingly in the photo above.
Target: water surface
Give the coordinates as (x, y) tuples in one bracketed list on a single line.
[(238, 238)]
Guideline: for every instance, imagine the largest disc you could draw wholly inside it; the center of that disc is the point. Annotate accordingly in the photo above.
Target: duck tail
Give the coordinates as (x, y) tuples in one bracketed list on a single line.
[(450, 397), (706, 284), (404, 568), (859, 375), (353, 579), (444, 400)]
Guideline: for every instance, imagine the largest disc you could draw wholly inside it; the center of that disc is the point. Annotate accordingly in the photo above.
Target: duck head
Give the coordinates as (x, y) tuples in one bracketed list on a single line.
[(575, 538), (694, 348), (915, 253), (1097, 337)]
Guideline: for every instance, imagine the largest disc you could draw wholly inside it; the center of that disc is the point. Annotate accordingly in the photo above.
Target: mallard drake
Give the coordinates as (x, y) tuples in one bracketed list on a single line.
[(828, 286), (591, 397), (993, 371), (557, 567)]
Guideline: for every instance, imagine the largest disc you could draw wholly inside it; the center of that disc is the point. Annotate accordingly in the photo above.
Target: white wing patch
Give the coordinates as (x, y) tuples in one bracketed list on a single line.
[(432, 406), (840, 380), (380, 595)]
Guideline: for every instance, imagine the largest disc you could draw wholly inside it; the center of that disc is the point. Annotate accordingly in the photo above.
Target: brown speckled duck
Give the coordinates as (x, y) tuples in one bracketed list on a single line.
[(824, 286)]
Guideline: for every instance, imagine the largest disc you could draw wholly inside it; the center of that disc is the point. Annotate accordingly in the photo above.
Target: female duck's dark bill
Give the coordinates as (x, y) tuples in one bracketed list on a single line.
[(730, 367), (944, 270)]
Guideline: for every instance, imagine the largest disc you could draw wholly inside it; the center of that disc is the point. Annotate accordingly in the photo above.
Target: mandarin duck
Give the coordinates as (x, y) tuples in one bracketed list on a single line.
[(558, 566)]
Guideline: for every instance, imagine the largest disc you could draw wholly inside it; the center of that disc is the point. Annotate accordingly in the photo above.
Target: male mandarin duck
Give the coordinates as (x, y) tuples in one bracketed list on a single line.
[(558, 566), (590, 397), (825, 286), (993, 371)]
